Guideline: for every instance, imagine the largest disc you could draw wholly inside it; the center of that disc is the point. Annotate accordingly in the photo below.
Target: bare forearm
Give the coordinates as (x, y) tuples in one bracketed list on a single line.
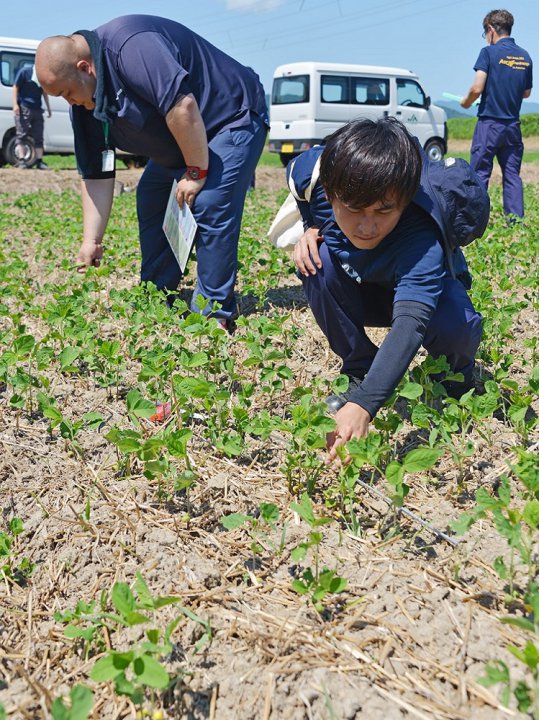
[(476, 89), (186, 125), (470, 98), (97, 198)]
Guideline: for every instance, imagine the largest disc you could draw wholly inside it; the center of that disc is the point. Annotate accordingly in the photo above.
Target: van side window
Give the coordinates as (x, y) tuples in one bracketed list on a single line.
[(11, 63), (410, 93), (335, 89), (290, 89), (370, 91)]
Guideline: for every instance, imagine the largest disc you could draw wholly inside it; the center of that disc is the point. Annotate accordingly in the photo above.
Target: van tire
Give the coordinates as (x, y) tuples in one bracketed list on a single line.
[(286, 157), (29, 151), (435, 150)]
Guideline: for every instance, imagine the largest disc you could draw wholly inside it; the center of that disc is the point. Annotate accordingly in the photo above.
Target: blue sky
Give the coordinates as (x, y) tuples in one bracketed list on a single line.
[(438, 39)]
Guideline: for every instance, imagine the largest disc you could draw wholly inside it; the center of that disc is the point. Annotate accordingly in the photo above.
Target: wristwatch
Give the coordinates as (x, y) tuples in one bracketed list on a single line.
[(195, 173)]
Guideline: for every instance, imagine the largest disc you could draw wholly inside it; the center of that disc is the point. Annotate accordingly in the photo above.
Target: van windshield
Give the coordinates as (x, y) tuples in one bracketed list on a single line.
[(290, 89), (11, 62)]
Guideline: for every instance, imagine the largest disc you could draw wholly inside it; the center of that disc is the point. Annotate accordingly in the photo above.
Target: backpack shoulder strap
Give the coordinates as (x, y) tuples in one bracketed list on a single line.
[(309, 189), (314, 180)]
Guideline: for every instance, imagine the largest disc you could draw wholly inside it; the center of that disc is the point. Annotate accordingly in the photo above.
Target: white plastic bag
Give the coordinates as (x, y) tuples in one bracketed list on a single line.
[(287, 226)]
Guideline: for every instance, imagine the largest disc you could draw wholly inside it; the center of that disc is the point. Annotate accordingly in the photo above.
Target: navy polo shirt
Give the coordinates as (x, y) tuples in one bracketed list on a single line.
[(29, 92), (509, 74), (147, 64), (410, 260)]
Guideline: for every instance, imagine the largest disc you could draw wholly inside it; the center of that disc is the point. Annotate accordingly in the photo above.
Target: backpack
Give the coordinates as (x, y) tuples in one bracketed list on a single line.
[(458, 201), (287, 226)]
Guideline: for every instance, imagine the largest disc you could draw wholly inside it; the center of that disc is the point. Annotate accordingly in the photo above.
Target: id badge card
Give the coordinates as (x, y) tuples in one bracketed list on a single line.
[(107, 161)]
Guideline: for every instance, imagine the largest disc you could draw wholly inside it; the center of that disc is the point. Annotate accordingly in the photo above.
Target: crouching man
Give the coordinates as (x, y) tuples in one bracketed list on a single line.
[(373, 256)]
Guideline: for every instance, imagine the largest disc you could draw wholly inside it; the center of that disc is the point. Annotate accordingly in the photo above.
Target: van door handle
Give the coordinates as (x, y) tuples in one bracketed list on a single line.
[(399, 112)]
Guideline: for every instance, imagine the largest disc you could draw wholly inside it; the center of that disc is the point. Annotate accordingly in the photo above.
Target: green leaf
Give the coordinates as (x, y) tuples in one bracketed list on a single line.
[(338, 584), (16, 526), (24, 345), (166, 600), (299, 552), (110, 666), (127, 441), (394, 473), (59, 711), (411, 391), (150, 672), (122, 598), (496, 672), (67, 357), (421, 459), (304, 509), (530, 514), (520, 622), (524, 696), (135, 618), (462, 524), (501, 568), (82, 700), (299, 587), (235, 520), (143, 592), (137, 406), (269, 512), (87, 633), (92, 420)]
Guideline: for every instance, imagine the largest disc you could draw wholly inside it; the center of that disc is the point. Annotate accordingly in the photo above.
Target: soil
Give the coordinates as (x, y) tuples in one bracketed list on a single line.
[(407, 639)]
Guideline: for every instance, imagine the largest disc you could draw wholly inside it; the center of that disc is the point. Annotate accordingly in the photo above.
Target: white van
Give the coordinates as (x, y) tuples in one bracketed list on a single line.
[(58, 133), (310, 100)]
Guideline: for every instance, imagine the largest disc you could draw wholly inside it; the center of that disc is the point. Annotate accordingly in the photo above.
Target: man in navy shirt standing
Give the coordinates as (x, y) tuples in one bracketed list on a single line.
[(27, 95), (151, 86), (503, 77), (372, 256)]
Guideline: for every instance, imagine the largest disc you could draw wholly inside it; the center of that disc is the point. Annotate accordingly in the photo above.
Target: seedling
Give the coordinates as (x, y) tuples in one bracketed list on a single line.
[(315, 582), (264, 521), (20, 571), (80, 704)]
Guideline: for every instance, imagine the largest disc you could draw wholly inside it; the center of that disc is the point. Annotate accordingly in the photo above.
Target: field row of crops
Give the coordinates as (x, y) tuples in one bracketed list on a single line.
[(213, 566)]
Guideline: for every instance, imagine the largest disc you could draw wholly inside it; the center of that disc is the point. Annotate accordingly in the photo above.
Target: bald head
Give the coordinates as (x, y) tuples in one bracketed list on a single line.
[(64, 64)]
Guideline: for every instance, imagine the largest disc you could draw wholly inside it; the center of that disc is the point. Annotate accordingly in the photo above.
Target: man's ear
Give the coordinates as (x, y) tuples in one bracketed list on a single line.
[(85, 67)]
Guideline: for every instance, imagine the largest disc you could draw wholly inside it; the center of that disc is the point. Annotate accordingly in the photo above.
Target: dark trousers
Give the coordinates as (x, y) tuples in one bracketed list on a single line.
[(502, 140), (29, 123), (343, 308), (217, 209)]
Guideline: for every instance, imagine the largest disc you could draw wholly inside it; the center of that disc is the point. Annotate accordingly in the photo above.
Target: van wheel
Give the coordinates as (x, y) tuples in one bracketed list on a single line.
[(286, 157), (434, 150), (29, 155)]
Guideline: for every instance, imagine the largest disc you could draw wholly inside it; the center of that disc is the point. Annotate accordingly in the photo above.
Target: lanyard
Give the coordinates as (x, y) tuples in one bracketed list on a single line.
[(106, 133)]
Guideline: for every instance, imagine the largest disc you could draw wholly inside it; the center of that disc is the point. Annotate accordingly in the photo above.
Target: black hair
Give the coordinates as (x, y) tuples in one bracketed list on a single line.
[(501, 20), (368, 161)]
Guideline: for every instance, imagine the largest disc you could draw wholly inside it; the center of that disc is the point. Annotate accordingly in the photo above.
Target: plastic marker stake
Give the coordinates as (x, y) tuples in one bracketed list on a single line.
[(457, 98)]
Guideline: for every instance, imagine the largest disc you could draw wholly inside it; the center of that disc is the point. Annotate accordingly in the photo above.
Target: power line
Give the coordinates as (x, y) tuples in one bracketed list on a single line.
[(353, 29)]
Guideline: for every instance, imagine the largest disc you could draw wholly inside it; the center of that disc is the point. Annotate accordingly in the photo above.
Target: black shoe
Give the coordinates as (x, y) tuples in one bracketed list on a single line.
[(336, 401), (457, 389), (40, 165), (21, 165)]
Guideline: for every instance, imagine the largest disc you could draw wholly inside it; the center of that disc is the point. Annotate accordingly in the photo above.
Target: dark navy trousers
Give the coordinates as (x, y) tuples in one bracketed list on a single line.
[(343, 308), (501, 139), (217, 208)]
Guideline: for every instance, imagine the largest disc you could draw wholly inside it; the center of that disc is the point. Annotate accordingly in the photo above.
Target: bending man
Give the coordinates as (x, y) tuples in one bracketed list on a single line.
[(152, 87)]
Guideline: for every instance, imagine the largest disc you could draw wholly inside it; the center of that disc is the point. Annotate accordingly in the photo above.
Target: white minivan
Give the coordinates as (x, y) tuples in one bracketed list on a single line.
[(58, 133), (310, 100)]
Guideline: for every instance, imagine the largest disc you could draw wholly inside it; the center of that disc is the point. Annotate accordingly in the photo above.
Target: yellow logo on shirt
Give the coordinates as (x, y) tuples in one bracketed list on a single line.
[(515, 62)]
